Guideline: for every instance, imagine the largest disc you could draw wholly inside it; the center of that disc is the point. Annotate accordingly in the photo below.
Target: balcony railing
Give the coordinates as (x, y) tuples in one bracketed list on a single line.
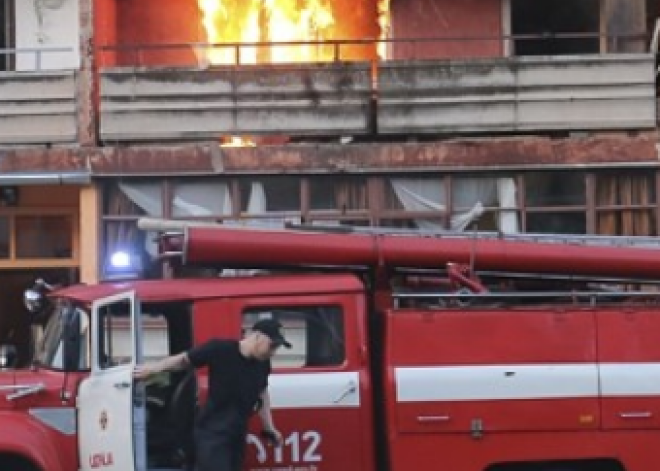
[(426, 86), (430, 92), (37, 104)]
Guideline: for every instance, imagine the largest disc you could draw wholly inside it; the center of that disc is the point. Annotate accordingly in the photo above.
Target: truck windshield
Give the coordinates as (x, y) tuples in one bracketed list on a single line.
[(51, 351)]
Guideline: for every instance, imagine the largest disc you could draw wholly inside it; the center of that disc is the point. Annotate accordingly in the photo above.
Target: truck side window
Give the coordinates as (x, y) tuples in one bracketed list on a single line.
[(115, 337), (316, 334)]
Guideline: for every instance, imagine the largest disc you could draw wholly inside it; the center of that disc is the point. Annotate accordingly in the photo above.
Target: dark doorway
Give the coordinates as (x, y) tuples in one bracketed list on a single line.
[(652, 15), (15, 319), (6, 34), (552, 27)]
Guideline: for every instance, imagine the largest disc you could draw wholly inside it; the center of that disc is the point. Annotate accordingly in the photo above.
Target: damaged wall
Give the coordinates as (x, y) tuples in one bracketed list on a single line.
[(446, 19)]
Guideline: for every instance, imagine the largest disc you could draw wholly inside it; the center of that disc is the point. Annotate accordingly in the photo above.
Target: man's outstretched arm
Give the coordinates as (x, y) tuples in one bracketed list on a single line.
[(176, 362)]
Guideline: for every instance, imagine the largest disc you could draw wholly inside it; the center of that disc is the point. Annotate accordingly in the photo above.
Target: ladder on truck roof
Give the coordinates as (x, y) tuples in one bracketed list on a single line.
[(173, 227), (648, 242), (605, 258)]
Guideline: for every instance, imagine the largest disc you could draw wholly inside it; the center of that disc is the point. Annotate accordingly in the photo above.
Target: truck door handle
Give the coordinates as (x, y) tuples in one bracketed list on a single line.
[(432, 418), (636, 415), (350, 388), (123, 385)]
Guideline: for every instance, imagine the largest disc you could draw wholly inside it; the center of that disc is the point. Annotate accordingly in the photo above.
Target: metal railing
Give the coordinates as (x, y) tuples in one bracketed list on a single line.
[(37, 52), (336, 50)]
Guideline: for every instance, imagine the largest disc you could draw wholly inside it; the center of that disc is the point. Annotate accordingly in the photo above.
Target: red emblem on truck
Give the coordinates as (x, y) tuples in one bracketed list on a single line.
[(103, 420)]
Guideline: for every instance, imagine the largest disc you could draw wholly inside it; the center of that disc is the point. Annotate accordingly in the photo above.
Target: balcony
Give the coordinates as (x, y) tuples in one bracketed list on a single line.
[(430, 96), (441, 97), (37, 106)]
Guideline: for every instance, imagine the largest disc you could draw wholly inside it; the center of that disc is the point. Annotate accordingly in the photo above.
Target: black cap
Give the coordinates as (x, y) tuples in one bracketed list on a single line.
[(271, 328)]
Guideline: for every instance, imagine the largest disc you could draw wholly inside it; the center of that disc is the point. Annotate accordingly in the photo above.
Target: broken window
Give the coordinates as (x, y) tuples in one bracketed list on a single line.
[(6, 34), (549, 27)]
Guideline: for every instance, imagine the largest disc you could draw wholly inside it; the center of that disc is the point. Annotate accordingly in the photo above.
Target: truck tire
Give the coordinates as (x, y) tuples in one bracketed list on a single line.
[(16, 463)]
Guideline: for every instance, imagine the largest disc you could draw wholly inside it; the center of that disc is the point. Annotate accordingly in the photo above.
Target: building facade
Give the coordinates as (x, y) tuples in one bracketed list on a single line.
[(508, 115)]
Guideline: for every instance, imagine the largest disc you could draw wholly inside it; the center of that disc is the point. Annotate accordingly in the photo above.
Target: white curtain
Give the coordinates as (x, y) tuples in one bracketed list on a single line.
[(470, 195), (146, 195), (201, 199), (417, 194)]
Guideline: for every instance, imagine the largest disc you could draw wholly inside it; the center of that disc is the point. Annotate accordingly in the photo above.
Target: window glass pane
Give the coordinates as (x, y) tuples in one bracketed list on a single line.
[(44, 236), (115, 343), (547, 27), (415, 194), (155, 345), (270, 195), (557, 223), (624, 202), (342, 194), (316, 334), (632, 222), (134, 199), (201, 198), (4, 237), (547, 189), (625, 189)]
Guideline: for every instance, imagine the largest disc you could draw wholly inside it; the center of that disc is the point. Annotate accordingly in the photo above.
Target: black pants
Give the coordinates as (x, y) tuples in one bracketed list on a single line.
[(219, 451)]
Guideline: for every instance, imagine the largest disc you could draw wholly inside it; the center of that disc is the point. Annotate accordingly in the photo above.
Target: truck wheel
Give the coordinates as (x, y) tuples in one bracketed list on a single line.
[(14, 463)]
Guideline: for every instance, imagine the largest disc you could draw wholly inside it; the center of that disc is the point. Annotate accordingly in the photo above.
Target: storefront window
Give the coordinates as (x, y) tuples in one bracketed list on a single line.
[(4, 237), (44, 237)]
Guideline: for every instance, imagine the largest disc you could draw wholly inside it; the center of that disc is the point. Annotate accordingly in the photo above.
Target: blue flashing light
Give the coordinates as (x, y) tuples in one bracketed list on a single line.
[(123, 264), (120, 260)]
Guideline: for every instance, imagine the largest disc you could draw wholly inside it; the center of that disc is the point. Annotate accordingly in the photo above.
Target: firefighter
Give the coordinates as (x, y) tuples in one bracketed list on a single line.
[(238, 385)]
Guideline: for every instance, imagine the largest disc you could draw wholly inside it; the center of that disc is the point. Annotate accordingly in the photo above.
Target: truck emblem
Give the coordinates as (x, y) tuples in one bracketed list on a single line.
[(103, 420)]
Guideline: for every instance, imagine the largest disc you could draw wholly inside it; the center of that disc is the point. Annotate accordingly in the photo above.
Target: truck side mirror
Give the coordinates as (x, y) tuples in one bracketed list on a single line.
[(71, 339), (8, 357)]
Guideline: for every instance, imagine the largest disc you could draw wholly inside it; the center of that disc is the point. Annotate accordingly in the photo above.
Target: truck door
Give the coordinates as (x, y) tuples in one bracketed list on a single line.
[(110, 408), (319, 389)]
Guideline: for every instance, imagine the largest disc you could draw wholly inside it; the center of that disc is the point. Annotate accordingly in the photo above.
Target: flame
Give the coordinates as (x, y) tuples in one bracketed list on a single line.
[(237, 141), (264, 21), (384, 25)]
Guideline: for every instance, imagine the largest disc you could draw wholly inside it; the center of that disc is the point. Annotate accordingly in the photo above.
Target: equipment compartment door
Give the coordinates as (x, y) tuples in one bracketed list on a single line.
[(490, 371), (629, 362), (108, 406)]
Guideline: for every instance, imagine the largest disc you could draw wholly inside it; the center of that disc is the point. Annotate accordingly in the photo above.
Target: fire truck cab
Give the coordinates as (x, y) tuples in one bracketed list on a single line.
[(409, 352), (81, 395)]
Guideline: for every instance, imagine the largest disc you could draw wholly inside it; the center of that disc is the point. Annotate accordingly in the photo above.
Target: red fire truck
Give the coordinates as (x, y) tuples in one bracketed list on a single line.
[(410, 352)]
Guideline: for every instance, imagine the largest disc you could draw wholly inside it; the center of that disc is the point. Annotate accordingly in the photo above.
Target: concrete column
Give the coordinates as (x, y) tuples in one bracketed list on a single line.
[(90, 234), (87, 82)]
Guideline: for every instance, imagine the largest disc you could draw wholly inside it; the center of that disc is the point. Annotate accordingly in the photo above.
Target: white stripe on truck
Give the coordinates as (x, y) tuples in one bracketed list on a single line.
[(530, 381), (496, 382), (315, 390)]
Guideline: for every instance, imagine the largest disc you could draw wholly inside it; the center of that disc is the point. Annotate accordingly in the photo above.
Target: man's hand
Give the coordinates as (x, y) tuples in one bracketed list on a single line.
[(142, 372), (273, 436), (171, 363)]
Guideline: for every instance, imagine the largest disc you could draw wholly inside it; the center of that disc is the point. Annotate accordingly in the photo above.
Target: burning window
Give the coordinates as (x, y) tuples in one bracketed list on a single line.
[(303, 29)]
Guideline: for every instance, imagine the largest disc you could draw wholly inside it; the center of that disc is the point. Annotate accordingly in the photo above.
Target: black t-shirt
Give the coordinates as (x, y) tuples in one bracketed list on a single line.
[(235, 384)]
